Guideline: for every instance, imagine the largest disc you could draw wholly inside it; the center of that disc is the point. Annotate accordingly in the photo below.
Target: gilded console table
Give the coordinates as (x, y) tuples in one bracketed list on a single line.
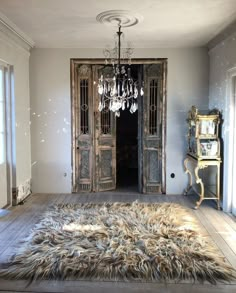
[(199, 163)]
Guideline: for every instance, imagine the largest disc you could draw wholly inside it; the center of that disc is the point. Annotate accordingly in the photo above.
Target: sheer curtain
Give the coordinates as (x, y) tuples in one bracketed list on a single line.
[(6, 133)]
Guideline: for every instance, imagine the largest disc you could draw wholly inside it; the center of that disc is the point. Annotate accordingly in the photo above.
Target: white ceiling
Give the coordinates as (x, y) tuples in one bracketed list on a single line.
[(166, 23)]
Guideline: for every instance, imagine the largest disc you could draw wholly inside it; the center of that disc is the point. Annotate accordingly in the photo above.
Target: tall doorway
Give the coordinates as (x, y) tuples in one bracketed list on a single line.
[(127, 151)]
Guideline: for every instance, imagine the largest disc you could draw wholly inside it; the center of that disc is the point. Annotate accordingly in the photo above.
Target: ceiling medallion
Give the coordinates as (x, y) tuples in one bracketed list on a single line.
[(124, 18)]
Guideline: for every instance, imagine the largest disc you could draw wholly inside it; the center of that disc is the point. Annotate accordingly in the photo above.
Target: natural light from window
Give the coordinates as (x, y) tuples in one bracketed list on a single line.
[(2, 119), (234, 149)]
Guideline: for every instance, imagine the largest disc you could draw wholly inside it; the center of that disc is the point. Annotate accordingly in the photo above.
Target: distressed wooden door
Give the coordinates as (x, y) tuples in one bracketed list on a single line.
[(152, 129), (82, 121), (105, 140), (94, 133)]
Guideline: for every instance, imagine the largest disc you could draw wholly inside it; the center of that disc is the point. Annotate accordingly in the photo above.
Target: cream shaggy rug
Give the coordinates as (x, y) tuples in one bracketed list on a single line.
[(118, 241)]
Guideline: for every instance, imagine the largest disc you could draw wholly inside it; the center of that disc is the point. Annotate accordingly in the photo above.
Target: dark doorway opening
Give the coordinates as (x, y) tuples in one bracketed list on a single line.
[(127, 150)]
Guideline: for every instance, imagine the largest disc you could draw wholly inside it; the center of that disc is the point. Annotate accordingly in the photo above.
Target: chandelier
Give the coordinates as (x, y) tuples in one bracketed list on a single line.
[(119, 90)]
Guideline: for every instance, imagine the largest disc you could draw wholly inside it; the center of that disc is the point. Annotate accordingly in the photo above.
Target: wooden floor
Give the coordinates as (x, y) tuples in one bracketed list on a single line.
[(16, 225)]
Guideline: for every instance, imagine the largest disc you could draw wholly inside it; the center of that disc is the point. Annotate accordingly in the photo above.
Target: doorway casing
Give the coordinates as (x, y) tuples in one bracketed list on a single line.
[(93, 154)]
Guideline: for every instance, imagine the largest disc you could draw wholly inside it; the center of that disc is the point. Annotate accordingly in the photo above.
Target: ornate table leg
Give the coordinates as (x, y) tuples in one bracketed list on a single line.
[(199, 181), (190, 176)]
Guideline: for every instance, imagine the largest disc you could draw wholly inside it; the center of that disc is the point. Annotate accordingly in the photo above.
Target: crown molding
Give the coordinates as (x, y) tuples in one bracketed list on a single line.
[(222, 36), (13, 32)]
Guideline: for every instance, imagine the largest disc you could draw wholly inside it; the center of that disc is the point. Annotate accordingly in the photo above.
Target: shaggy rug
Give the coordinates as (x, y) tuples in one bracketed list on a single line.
[(118, 241)]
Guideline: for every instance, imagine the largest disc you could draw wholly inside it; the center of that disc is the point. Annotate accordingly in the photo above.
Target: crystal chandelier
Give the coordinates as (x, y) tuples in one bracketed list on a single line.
[(119, 91)]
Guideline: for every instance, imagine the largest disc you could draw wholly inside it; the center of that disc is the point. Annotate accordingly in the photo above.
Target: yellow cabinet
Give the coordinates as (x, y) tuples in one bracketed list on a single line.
[(203, 152), (203, 134)]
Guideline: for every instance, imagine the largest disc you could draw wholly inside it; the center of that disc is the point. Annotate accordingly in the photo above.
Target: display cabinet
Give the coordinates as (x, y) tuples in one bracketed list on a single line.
[(203, 151), (203, 134)]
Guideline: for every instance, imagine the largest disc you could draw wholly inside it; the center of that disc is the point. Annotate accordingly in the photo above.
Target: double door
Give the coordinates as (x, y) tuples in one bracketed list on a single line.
[(94, 132)]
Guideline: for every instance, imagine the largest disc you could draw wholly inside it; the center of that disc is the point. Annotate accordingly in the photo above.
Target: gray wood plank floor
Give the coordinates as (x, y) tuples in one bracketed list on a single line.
[(218, 226)]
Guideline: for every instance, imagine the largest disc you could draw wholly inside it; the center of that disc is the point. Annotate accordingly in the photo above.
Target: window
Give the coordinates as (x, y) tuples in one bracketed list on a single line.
[(229, 135), (2, 118), (6, 147), (234, 145)]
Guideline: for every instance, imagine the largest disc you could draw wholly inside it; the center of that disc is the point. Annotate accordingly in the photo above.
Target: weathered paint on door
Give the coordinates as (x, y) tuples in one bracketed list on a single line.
[(94, 132), (83, 129), (105, 140), (152, 129)]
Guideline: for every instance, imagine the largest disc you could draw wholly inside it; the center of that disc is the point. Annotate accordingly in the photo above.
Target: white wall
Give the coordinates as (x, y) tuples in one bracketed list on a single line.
[(187, 85), (222, 59), (14, 54)]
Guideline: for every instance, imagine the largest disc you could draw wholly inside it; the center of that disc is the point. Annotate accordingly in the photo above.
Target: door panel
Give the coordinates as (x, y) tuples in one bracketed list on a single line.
[(84, 163), (94, 140), (154, 168), (84, 129), (105, 141), (153, 128)]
